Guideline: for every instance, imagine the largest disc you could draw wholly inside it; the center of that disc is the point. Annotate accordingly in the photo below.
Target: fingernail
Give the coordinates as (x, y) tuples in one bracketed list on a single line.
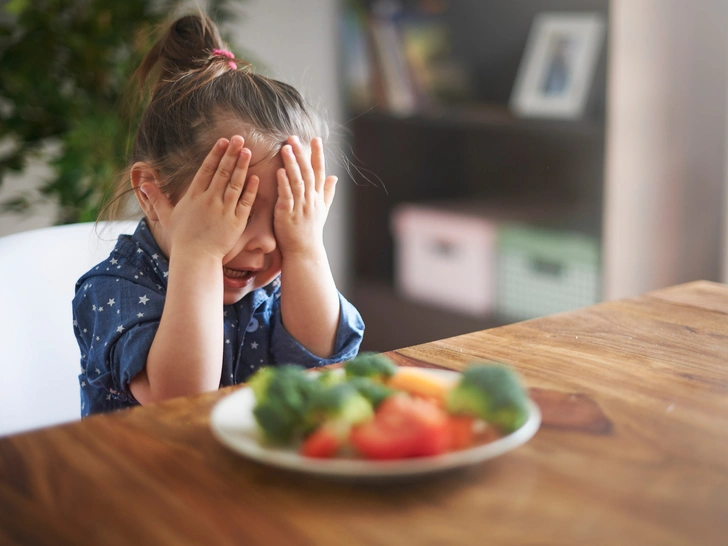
[(141, 189)]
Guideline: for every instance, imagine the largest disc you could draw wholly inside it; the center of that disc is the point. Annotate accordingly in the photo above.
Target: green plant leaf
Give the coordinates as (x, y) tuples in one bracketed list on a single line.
[(65, 71), (15, 7)]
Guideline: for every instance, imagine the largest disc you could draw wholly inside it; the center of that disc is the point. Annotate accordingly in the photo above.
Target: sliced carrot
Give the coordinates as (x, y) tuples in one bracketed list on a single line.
[(421, 382)]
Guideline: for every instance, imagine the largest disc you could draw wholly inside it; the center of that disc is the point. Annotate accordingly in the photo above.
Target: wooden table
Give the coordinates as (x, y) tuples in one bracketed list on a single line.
[(633, 450)]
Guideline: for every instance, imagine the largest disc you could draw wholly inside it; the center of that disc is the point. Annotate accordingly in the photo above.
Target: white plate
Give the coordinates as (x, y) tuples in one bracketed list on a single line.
[(234, 425)]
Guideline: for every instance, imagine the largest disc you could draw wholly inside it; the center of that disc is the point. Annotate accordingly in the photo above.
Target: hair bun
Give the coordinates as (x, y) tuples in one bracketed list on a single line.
[(188, 44)]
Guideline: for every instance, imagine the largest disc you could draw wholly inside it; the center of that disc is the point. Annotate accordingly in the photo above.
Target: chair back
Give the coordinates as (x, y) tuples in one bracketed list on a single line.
[(39, 356)]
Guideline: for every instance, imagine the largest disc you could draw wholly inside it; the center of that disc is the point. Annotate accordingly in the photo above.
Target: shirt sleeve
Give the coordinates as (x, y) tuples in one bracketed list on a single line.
[(115, 321), (349, 333)]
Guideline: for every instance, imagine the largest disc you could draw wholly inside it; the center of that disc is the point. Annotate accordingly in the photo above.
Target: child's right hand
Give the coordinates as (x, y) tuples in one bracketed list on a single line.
[(212, 214)]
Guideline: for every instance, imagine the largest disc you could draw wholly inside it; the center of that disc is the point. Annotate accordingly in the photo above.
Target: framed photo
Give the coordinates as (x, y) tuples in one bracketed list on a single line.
[(556, 72)]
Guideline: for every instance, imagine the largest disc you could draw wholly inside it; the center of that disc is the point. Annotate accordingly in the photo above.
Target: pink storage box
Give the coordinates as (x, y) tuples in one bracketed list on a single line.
[(445, 258)]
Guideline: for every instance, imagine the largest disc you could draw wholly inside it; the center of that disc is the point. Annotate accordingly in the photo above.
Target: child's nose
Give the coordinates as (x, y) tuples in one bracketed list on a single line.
[(260, 237)]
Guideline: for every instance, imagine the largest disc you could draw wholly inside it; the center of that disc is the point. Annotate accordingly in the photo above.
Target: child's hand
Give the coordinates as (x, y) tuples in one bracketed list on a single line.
[(305, 195), (212, 214)]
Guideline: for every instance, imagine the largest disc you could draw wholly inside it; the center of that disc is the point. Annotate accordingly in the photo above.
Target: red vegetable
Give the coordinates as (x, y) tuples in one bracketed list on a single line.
[(321, 443), (403, 426), (461, 431)]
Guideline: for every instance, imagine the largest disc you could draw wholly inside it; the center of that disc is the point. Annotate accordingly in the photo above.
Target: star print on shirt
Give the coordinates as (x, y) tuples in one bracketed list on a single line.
[(114, 261), (255, 319)]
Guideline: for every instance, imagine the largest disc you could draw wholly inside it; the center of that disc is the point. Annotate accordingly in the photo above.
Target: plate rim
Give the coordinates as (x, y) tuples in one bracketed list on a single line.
[(290, 459)]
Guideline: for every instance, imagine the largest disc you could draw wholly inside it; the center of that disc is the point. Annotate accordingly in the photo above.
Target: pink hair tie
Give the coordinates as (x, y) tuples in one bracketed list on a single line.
[(225, 53)]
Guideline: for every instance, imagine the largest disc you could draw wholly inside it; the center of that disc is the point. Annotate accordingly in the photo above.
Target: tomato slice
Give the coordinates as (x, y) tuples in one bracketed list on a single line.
[(461, 431), (402, 427), (321, 443)]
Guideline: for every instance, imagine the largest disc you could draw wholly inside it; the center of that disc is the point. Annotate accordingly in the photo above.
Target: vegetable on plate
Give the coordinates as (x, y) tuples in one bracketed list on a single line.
[(377, 410)]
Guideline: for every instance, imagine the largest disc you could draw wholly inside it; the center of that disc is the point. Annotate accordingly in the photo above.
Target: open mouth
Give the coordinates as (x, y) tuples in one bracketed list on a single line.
[(236, 273)]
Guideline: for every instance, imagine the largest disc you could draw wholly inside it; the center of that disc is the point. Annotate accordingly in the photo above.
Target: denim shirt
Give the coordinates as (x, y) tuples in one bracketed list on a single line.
[(118, 306)]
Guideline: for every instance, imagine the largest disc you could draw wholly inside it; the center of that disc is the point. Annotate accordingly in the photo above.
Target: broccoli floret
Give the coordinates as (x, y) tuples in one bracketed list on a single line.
[(279, 426), (373, 391), (283, 394), (375, 366), (329, 378), (260, 381), (340, 403), (492, 392)]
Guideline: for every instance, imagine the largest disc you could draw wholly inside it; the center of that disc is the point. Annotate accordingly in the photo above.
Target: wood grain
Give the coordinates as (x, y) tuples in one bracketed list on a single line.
[(634, 450)]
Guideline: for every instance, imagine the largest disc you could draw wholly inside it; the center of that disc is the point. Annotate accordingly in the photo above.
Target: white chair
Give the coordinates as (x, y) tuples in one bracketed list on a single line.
[(39, 357)]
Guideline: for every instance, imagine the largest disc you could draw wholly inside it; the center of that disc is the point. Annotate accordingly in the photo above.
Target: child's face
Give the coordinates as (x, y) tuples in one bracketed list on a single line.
[(255, 260)]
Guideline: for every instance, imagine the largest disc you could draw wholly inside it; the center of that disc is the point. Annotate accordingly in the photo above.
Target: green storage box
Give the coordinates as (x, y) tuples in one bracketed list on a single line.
[(542, 272)]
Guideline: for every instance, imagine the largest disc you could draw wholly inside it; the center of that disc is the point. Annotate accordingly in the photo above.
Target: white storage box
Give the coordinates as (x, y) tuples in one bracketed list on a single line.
[(445, 258)]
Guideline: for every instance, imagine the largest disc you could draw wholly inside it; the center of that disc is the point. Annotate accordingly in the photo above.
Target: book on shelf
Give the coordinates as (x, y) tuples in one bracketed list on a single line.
[(399, 61), (356, 66), (439, 77)]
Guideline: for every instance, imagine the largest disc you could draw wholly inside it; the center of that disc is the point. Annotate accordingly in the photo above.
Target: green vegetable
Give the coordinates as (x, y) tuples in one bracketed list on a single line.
[(329, 378), (492, 392), (340, 403), (375, 366), (373, 391), (283, 395), (260, 381), (279, 426)]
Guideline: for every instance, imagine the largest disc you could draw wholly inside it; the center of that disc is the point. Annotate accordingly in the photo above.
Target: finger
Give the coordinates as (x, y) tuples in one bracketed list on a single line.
[(330, 190), (157, 201), (245, 203), (293, 172), (234, 188), (318, 162), (286, 198), (207, 170), (225, 168), (303, 159)]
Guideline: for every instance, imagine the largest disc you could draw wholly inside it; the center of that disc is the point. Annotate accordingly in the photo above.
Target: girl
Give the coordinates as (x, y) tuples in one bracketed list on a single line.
[(227, 270)]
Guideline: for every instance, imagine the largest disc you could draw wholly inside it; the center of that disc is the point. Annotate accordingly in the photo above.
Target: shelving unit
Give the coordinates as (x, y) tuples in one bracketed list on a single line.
[(474, 151)]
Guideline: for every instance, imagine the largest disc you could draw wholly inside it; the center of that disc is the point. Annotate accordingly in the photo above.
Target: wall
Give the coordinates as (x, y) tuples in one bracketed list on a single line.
[(666, 146)]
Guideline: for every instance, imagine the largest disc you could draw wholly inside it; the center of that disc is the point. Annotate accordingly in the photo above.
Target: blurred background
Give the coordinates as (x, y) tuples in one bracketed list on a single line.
[(503, 159)]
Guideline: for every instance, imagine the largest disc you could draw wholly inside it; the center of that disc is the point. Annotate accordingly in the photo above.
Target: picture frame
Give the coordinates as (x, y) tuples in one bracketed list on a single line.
[(556, 72)]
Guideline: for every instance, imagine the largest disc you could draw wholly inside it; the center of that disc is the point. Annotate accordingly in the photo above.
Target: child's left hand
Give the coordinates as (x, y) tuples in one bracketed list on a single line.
[(305, 195)]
